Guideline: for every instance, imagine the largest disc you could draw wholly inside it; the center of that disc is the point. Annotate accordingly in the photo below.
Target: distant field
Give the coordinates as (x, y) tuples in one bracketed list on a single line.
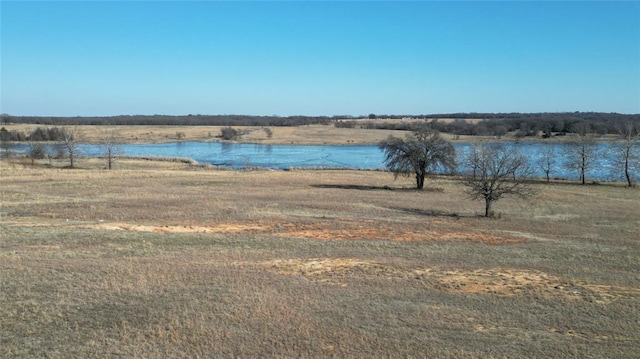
[(157, 260), (300, 135)]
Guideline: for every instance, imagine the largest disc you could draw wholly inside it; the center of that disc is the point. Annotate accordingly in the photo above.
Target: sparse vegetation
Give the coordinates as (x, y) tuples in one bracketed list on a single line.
[(547, 161), (36, 151), (627, 151), (111, 146), (184, 263), (542, 125), (496, 171), (70, 143), (230, 133), (582, 151)]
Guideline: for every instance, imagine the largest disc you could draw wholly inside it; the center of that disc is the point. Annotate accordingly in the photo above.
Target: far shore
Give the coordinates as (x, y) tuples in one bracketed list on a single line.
[(298, 135)]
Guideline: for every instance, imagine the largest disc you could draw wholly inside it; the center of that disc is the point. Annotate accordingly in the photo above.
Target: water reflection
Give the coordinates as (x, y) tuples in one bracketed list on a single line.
[(238, 155), (226, 147), (263, 148)]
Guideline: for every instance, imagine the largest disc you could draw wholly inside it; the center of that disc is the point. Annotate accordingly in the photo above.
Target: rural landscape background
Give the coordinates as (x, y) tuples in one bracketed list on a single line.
[(434, 254), (172, 259)]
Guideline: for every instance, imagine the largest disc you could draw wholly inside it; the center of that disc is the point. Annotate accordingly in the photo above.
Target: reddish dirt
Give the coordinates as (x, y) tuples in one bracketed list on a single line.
[(322, 231)]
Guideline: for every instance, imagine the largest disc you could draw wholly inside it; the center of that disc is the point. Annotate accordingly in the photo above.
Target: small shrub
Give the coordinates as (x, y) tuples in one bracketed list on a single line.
[(229, 133)]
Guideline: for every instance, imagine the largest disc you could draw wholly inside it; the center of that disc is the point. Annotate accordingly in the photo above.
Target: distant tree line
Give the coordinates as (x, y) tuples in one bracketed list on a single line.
[(60, 142), (13, 135), (490, 124), (164, 120), (40, 134), (522, 124)]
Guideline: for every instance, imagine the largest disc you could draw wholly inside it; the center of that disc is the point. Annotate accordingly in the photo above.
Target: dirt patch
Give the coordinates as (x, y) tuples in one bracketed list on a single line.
[(350, 231), (477, 237), (222, 228), (320, 231), (506, 282), (400, 236), (330, 271), (498, 281), (328, 266), (511, 282), (43, 247)]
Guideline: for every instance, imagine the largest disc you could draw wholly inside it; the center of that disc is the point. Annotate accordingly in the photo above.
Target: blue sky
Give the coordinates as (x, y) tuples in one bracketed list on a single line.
[(92, 58)]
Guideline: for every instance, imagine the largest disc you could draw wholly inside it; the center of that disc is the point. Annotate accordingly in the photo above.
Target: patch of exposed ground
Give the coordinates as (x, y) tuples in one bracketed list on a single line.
[(349, 231), (221, 228), (321, 231), (527, 235), (563, 217), (510, 331), (499, 281)]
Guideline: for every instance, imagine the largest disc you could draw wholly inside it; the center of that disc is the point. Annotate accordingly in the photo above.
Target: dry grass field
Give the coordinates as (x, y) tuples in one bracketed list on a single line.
[(298, 135), (158, 260)]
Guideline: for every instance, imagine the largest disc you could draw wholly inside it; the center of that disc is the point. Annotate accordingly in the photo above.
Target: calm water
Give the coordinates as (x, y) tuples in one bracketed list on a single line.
[(236, 155)]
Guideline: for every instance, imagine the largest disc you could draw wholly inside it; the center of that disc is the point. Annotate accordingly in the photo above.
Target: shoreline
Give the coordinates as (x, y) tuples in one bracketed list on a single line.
[(279, 135)]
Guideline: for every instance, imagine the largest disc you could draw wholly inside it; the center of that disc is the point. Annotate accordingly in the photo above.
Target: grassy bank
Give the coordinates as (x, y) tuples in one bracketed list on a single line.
[(162, 259), (300, 135), (285, 135)]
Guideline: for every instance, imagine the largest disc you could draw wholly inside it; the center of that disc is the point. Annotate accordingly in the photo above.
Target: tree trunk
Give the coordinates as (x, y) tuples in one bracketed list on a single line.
[(626, 172), (421, 170), (487, 207), (419, 180), (583, 168)]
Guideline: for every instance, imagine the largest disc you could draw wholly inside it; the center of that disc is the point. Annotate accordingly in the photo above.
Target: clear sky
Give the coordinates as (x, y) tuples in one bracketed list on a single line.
[(92, 58)]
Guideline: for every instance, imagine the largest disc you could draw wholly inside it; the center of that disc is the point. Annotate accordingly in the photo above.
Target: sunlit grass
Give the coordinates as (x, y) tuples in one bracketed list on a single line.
[(160, 260)]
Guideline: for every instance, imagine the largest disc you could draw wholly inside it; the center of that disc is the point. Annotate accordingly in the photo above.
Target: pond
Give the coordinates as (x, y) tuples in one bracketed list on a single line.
[(239, 155)]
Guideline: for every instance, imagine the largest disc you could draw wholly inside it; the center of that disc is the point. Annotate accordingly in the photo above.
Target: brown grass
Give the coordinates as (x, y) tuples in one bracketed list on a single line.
[(300, 135), (160, 259)]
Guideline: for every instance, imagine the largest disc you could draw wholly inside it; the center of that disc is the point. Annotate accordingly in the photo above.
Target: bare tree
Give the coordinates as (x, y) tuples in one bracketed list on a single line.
[(547, 160), (421, 152), (36, 151), (111, 147), (627, 155), (69, 141), (497, 172), (472, 160), (49, 153), (5, 142), (582, 151)]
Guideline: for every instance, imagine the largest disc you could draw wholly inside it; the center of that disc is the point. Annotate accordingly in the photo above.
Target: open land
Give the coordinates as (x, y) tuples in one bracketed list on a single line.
[(298, 135), (164, 259)]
